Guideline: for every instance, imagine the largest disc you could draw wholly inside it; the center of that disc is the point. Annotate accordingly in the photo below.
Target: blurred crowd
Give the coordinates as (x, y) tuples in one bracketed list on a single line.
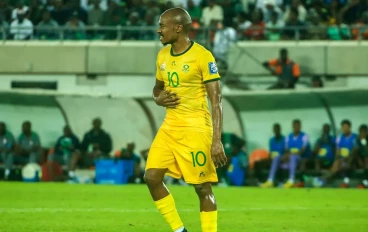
[(236, 19)]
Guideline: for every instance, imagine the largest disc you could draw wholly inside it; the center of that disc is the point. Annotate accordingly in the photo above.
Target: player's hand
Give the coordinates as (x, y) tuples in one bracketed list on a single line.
[(218, 154), (167, 99)]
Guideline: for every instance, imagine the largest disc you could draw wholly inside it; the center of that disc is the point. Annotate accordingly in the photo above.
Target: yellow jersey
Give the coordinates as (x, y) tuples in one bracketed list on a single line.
[(186, 74)]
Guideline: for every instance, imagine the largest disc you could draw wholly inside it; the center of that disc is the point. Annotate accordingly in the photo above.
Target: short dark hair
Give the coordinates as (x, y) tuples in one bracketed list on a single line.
[(363, 127), (276, 125), (346, 121), (296, 121)]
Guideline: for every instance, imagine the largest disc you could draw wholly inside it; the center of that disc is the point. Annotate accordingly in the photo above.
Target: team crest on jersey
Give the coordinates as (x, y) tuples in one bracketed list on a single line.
[(162, 67), (212, 67), (186, 68)]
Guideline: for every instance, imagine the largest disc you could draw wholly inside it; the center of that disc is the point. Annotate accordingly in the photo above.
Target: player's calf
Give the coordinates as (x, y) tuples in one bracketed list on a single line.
[(208, 207)]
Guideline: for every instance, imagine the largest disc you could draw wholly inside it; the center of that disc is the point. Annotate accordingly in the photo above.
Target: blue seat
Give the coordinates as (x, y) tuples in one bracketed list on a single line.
[(110, 171)]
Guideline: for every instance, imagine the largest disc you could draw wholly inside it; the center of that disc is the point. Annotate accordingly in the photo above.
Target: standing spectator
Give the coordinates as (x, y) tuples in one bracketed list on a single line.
[(21, 28), (20, 7), (302, 12), (256, 30), (274, 28), (277, 152), (5, 11), (224, 37), (212, 12), (60, 13), (361, 152), (294, 28), (287, 70), (7, 144), (66, 151), (28, 149), (96, 143), (35, 11), (96, 15), (194, 11), (269, 9), (316, 30), (298, 149), (343, 158), (74, 28), (325, 149), (51, 27)]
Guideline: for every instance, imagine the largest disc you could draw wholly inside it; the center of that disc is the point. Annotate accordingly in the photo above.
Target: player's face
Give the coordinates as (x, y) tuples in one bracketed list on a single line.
[(296, 127), (277, 130), (166, 30), (326, 129), (363, 133), (345, 128)]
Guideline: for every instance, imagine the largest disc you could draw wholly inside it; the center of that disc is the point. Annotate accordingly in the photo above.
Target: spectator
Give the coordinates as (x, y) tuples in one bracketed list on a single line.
[(269, 9), (242, 21), (96, 144), (28, 149), (66, 151), (129, 154), (298, 149), (20, 7), (316, 30), (194, 11), (88, 5), (287, 71), (302, 12), (7, 144), (361, 153), (317, 82), (153, 9), (334, 10), (338, 30), (297, 28), (212, 12), (51, 25), (75, 8), (261, 4), (149, 21), (256, 29), (114, 19), (35, 11), (277, 151), (343, 158), (360, 30), (21, 28), (137, 7), (50, 5), (59, 13), (96, 15), (5, 11), (321, 11), (325, 149), (74, 28), (133, 21), (224, 37), (4, 25), (274, 27)]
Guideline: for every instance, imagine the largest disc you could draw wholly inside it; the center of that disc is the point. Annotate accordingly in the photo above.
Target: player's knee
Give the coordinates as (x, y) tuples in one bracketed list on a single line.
[(152, 178), (203, 190)]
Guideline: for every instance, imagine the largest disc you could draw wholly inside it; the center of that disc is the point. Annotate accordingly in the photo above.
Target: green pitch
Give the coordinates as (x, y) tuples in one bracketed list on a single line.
[(71, 208)]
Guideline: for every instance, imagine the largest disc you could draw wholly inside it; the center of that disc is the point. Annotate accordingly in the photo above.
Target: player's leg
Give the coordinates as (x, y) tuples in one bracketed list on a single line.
[(275, 162), (365, 174), (208, 207), (7, 158), (161, 160), (293, 163)]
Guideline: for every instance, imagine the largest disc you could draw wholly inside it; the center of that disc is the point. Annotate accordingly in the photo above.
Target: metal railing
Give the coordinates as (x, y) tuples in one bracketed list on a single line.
[(203, 35)]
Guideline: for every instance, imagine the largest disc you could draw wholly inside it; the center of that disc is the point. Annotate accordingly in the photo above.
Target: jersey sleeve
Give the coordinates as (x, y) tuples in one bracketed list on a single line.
[(158, 71), (208, 67)]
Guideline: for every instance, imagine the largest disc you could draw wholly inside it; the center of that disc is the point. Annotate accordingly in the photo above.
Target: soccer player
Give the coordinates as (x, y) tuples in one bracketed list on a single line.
[(361, 153), (188, 143), (324, 150)]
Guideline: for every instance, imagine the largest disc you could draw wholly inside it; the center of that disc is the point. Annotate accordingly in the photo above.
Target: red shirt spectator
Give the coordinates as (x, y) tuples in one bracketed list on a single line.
[(256, 29)]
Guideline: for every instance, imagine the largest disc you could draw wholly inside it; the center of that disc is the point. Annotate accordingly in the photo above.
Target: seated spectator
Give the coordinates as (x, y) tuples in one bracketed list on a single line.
[(212, 12), (286, 70), (60, 14), (21, 28), (334, 10), (66, 151), (149, 21), (50, 24), (133, 21), (316, 30), (317, 82), (256, 30), (74, 28), (360, 30), (128, 154), (274, 28), (137, 6), (361, 153), (270, 9), (338, 30), (75, 8), (294, 28), (96, 144), (20, 7), (324, 150), (96, 15), (152, 8), (5, 26), (343, 159), (276, 153), (321, 11), (7, 144), (28, 149), (302, 12)]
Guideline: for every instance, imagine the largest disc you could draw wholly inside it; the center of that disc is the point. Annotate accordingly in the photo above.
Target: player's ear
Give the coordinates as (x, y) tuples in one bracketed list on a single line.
[(179, 28)]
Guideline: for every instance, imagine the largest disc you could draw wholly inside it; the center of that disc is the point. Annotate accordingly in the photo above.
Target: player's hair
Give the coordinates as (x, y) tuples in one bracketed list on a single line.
[(2, 123), (346, 122), (276, 124), (363, 127), (295, 121)]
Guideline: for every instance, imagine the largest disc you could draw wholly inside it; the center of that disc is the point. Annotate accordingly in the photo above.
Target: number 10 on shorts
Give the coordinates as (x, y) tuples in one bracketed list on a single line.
[(199, 158)]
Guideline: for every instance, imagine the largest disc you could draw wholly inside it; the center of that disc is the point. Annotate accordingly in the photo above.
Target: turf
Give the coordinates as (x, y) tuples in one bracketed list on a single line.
[(103, 208)]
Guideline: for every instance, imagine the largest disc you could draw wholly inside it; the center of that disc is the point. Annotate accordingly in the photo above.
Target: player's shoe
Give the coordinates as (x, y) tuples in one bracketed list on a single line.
[(267, 184), (185, 230), (288, 184), (344, 185)]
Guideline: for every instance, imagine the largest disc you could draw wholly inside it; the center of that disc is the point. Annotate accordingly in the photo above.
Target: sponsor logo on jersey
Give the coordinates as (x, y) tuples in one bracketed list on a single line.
[(162, 67), (212, 67)]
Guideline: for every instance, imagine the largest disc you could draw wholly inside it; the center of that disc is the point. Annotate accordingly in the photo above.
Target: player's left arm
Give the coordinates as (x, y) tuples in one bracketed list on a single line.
[(217, 149)]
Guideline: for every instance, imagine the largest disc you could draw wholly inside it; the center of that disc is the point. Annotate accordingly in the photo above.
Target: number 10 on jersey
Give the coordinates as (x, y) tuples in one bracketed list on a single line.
[(173, 79)]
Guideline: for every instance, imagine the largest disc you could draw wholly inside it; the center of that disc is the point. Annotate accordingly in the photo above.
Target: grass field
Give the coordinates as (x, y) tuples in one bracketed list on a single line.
[(64, 208)]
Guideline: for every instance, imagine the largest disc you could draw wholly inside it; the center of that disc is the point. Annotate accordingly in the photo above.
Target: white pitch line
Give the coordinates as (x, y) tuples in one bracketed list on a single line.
[(114, 210)]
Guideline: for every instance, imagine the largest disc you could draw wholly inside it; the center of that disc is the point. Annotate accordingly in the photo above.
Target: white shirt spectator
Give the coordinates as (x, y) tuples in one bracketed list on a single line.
[(16, 11), (214, 13), (301, 10), (21, 31), (267, 13), (103, 5), (222, 41), (261, 4)]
